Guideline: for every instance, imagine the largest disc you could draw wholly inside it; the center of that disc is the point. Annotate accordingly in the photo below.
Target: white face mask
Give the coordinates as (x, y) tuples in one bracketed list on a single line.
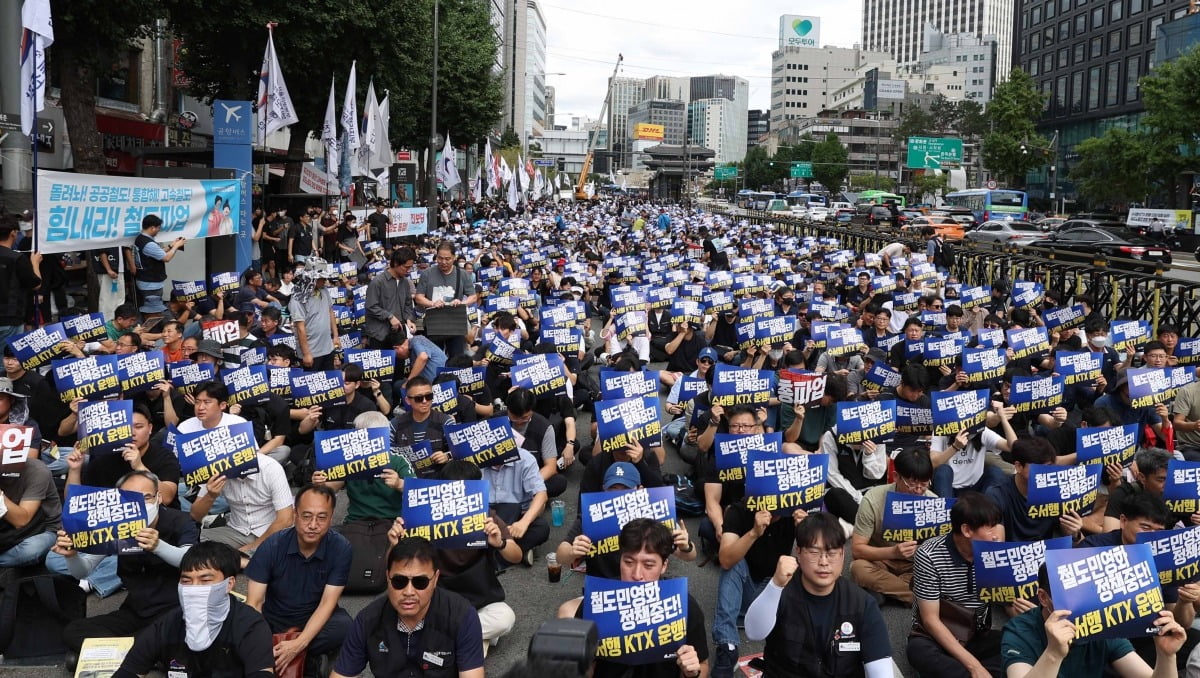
[(775, 353), (205, 607), (151, 513), (1099, 341)]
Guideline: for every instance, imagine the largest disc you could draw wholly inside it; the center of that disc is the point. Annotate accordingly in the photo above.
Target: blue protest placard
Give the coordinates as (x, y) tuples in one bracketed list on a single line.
[(603, 514), (544, 374), (908, 517), (780, 329), (229, 451), (379, 365), (631, 323), (1176, 554), (1125, 333), (140, 371), (1187, 351), (782, 483), (938, 351), (188, 290), (990, 338), (419, 455), (637, 622), (1027, 294), (470, 379), (686, 311), (38, 346), (565, 340), (906, 301), (317, 388), (220, 283), (690, 387), (103, 520), (451, 514), (859, 422), (1063, 317), (933, 321), (616, 385), (1078, 367), (445, 397), (85, 328), (1153, 385), (1111, 591), (1007, 570), (352, 454), (879, 377), (499, 351), (912, 419), (485, 443), (955, 411), (257, 355), (842, 341), (1055, 491), (187, 375), (984, 365), (620, 421), (280, 380), (883, 283), (741, 386), (731, 451), (105, 426), (1109, 445), (1182, 489), (94, 377), (247, 384), (1028, 341), (970, 297), (1036, 394)]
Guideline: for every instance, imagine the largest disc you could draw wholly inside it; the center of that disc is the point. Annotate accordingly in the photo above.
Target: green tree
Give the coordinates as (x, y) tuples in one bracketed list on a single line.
[(829, 163), (914, 122), (1117, 167), (1171, 121), (89, 36), (757, 167), (1012, 115), (928, 183), (509, 139)]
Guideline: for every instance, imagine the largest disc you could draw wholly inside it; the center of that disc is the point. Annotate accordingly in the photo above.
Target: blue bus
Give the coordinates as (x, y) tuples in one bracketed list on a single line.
[(987, 204)]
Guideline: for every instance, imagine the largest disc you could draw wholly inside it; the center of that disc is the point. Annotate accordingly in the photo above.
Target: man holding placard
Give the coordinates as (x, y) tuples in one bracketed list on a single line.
[(1012, 496)]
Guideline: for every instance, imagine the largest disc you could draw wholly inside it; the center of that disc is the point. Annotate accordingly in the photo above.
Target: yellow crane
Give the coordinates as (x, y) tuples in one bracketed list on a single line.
[(580, 193)]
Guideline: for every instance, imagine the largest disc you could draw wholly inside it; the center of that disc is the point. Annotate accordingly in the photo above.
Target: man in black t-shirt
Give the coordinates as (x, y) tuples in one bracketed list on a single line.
[(378, 221)]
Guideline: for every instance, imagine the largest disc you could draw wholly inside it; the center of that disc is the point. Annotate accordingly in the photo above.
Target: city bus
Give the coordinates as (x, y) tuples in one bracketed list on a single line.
[(760, 199), (802, 200), (987, 204), (881, 198), (742, 199)]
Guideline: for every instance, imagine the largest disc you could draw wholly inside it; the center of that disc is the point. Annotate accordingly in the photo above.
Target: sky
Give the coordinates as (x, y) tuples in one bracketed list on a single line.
[(674, 38)]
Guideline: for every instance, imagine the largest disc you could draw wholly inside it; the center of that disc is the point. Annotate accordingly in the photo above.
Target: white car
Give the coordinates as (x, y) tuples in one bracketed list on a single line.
[(817, 213), (835, 206)]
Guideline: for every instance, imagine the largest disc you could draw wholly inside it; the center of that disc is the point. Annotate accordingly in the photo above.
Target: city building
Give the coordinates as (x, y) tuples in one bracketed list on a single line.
[(870, 143), (535, 72), (758, 124), (803, 79), (716, 124), (524, 50), (1087, 60), (626, 93), (549, 120), (973, 54), (669, 114), (569, 145), (898, 27), (885, 86), (668, 87), (731, 147)]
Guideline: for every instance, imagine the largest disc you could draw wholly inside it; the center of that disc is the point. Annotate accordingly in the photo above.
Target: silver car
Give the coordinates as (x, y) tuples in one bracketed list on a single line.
[(1006, 232)]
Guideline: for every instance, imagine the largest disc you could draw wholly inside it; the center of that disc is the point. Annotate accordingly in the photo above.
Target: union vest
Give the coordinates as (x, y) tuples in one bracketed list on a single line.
[(386, 645), (792, 649), (149, 268)]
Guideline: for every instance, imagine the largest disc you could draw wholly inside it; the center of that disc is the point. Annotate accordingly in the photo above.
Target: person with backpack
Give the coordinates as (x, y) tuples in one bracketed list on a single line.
[(939, 254)]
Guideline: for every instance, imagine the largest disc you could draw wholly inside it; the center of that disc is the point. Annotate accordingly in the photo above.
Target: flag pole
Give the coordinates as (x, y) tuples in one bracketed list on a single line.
[(33, 132)]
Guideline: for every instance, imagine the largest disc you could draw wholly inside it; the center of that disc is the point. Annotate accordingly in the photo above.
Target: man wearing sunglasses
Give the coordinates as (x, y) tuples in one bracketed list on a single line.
[(417, 628), (421, 423)]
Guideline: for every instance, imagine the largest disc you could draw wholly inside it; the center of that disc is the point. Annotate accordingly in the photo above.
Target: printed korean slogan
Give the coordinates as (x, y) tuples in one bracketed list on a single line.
[(93, 211), (1176, 554), (1182, 489), (908, 517), (732, 450), (317, 388), (543, 374), (1111, 591), (620, 421), (353, 454), (638, 622), (1112, 445), (92, 378), (782, 483), (605, 513), (955, 411), (615, 385), (376, 364), (485, 443), (16, 444), (85, 328), (1055, 491), (1007, 570), (229, 451), (140, 371), (103, 520), (449, 513), (38, 346), (860, 422), (105, 426)]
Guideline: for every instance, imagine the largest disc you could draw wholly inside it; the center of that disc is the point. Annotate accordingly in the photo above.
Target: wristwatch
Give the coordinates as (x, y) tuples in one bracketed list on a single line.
[(690, 548)]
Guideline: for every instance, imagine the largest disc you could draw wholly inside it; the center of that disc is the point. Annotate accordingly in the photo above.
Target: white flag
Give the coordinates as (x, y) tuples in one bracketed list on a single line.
[(521, 179), (476, 186), (370, 129), (447, 169), (329, 136), (514, 195), (493, 169), (274, 104), (350, 113), (383, 154), (539, 184), (37, 35), (506, 175)]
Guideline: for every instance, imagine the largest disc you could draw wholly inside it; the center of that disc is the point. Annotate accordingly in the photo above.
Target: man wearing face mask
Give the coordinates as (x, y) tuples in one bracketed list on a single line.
[(1096, 331), (152, 573), (212, 634)]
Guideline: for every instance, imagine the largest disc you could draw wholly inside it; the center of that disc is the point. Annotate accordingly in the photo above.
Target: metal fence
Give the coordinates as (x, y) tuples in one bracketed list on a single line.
[(1119, 294)]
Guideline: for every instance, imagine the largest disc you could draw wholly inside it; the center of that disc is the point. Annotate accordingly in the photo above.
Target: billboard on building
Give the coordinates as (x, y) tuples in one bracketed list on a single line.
[(644, 130), (799, 31), (890, 89)]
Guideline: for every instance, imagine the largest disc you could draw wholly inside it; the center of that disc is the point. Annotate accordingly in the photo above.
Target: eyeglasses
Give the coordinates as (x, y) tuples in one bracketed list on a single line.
[(817, 554), (419, 582), (706, 361), (741, 427), (917, 485), (937, 307), (421, 397)]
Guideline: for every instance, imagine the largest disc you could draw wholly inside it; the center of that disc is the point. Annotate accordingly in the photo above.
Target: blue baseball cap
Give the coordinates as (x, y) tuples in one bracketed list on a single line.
[(622, 473), (708, 352)]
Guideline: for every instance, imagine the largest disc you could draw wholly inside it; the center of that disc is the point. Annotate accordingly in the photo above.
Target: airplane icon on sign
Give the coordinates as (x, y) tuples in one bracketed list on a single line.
[(231, 112)]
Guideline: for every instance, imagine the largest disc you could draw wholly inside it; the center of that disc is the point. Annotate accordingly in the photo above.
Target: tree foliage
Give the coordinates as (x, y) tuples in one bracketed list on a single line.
[(829, 160), (964, 118), (930, 184), (1171, 121), (1113, 168), (1012, 115), (89, 35)]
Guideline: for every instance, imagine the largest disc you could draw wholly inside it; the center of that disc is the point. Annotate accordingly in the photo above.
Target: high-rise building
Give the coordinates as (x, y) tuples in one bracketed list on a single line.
[(535, 72), (974, 56), (626, 93), (670, 114), (668, 87), (549, 122), (524, 53), (898, 27), (758, 124), (735, 90), (717, 125), (803, 79)]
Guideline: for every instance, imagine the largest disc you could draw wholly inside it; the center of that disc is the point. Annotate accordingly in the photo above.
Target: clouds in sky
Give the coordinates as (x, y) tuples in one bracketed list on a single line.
[(674, 38)]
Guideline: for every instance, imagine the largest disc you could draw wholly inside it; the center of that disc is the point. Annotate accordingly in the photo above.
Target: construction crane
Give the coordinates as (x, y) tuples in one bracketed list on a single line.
[(580, 194)]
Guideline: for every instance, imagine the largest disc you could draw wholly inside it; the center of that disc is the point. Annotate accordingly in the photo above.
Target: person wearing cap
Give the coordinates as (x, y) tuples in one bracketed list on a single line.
[(675, 430), (147, 259)]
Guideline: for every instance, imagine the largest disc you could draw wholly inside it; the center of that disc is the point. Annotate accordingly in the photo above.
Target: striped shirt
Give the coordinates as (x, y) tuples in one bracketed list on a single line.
[(940, 571)]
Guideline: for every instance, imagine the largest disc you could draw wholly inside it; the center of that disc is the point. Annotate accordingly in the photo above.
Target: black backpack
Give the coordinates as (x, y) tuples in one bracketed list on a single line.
[(943, 255), (34, 610), (368, 565)]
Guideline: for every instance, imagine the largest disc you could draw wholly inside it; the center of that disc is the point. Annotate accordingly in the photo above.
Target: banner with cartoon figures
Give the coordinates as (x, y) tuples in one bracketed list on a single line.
[(603, 514), (638, 622), (1007, 570), (1111, 591), (452, 514)]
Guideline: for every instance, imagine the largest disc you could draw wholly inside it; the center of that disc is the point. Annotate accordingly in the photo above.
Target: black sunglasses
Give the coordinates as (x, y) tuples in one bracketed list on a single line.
[(419, 582), (706, 361), (421, 398)]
